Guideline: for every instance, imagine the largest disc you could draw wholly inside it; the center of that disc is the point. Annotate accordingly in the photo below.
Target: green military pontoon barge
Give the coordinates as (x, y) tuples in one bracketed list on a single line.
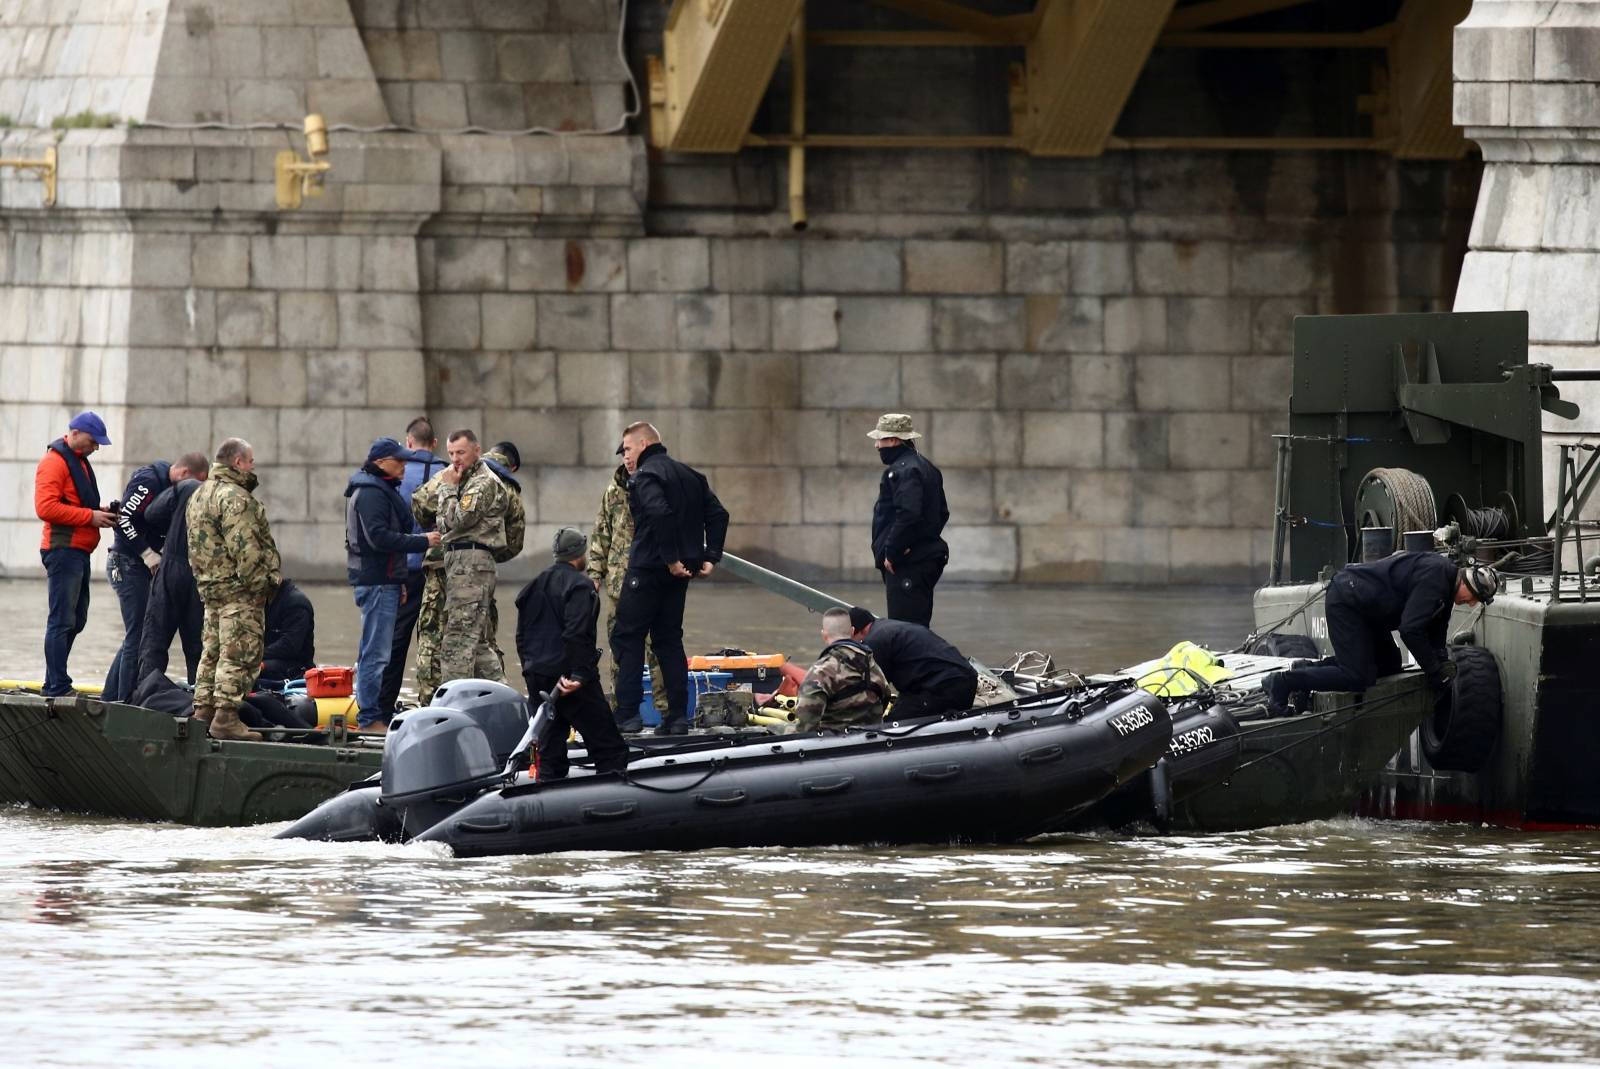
[(85, 756)]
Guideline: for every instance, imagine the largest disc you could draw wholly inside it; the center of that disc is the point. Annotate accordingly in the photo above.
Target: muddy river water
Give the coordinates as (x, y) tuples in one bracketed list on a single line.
[(1344, 943)]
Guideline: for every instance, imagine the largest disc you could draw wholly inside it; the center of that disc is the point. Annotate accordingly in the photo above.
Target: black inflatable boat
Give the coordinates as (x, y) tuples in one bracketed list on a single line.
[(989, 775)]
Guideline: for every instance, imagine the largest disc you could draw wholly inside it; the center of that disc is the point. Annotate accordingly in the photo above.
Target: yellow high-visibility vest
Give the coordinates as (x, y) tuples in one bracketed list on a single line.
[(1185, 669)]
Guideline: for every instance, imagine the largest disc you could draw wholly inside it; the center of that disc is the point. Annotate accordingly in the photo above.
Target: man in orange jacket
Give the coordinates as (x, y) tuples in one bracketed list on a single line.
[(67, 498)]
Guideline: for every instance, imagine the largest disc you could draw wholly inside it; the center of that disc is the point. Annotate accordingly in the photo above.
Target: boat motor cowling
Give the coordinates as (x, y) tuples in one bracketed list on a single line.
[(499, 710)]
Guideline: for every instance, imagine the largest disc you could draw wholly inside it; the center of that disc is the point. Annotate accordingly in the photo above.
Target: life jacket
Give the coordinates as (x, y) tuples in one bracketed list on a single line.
[(1186, 669), (84, 487)]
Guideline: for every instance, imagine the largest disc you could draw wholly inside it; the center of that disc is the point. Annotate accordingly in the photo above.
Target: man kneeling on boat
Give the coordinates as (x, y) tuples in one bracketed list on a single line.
[(557, 617), (930, 676), (845, 688), (1412, 593)]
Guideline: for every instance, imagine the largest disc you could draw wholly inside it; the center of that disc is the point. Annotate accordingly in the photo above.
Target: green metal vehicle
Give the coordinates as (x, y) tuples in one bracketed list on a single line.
[(81, 755), (1428, 429)]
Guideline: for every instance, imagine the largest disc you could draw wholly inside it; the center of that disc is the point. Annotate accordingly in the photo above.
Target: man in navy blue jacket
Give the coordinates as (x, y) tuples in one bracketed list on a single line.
[(377, 537), (1412, 593), (422, 464), (136, 556)]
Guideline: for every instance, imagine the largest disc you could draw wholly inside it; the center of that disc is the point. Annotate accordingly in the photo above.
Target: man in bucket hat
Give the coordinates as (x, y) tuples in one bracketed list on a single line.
[(1412, 593), (907, 521)]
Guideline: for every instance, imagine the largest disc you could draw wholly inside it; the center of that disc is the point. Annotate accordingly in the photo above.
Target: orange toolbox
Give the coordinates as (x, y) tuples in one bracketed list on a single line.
[(330, 681), (758, 671)]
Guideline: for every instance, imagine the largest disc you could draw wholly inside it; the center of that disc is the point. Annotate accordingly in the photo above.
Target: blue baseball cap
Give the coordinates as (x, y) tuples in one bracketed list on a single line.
[(383, 448), (90, 424)]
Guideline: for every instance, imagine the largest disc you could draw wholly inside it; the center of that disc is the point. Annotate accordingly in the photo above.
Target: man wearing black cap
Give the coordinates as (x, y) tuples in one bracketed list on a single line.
[(66, 497), (908, 521), (557, 617), (679, 526), (377, 538), (1412, 593), (930, 675)]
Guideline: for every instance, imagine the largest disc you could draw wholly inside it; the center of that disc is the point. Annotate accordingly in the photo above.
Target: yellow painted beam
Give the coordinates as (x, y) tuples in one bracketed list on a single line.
[(1081, 67), (1217, 12), (1004, 28), (718, 57), (1419, 80)]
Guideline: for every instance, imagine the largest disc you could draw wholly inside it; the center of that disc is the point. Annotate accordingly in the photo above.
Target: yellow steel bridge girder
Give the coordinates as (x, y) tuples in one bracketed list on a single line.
[(1420, 80), (1081, 65), (718, 58)]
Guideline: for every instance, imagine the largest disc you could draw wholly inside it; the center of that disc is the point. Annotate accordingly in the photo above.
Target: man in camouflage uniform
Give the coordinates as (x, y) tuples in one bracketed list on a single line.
[(608, 559), (430, 617), (472, 528), (504, 459), (236, 569), (845, 688)]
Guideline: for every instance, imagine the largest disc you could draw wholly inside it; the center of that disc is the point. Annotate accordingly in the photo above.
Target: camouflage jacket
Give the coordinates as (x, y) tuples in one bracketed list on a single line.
[(516, 512), (475, 509), (425, 508), (231, 550), (611, 537), (845, 688)]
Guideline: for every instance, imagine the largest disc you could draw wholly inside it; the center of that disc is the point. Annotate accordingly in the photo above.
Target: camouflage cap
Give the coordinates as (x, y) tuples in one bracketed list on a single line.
[(1482, 580), (570, 544), (894, 425)]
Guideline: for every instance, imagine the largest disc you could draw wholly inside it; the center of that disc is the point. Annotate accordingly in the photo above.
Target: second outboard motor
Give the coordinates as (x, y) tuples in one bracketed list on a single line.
[(435, 760), (499, 710)]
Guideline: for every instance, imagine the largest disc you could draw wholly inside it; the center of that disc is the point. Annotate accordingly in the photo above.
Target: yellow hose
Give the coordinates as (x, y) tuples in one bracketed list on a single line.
[(35, 686)]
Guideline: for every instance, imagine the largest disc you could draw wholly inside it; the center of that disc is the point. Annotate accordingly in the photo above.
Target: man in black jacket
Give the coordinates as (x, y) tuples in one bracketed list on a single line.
[(175, 607), (135, 557), (907, 521), (679, 526), (290, 646), (558, 616), (1412, 593), (930, 675), (377, 537)]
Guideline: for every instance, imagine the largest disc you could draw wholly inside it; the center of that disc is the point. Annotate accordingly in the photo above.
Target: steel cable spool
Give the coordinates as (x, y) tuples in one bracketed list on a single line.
[(1396, 498), (1494, 521)]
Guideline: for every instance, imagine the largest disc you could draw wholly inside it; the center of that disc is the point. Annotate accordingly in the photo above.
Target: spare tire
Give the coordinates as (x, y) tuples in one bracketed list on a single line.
[(1465, 725), (1276, 645)]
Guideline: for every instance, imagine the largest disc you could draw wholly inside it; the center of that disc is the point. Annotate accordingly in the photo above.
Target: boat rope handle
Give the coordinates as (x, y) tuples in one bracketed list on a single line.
[(716, 766), (1362, 709)]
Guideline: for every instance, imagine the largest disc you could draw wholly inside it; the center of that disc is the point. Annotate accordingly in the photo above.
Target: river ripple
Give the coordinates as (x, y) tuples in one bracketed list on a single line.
[(1343, 943)]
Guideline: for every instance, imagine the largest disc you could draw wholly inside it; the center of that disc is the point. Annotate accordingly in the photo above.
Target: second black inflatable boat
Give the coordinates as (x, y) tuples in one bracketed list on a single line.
[(999, 774)]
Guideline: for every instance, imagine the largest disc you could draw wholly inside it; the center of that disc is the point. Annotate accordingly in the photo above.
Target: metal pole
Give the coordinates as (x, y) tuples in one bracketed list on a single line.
[(1561, 522), (1280, 511), (781, 585), (797, 120)]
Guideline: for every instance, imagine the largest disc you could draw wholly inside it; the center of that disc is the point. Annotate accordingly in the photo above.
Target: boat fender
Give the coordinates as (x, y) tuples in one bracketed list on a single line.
[(1465, 726), (1160, 797)]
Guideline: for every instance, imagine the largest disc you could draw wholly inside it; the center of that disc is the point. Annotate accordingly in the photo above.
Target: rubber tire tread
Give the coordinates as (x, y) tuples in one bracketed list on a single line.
[(1278, 645), (1471, 720)]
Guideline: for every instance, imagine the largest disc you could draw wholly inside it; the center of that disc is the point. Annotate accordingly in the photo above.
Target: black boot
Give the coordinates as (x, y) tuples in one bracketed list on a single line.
[(1276, 688), (675, 726), (631, 726)]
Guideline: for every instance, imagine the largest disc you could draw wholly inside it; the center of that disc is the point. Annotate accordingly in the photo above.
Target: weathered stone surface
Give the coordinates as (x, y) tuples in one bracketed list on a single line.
[(275, 378), (1270, 270), (669, 264), (336, 379), (308, 320), (571, 321), (973, 438), (1063, 439), (1188, 268), (953, 266), (1102, 267), (1064, 324), (850, 381), (1182, 383), (1135, 325), (884, 324), (805, 324), (592, 380), (452, 321), (755, 265), (1262, 383), (1208, 440), (217, 378), (1136, 440), (949, 381), (971, 324), (643, 320), (246, 320), (1028, 381), (1031, 496), (850, 266), (750, 320), (1208, 325), (1038, 267), (703, 322), (510, 321)]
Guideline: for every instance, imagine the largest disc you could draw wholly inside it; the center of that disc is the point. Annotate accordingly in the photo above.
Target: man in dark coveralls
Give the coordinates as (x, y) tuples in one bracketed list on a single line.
[(930, 675), (1412, 593), (679, 526), (907, 521), (557, 617)]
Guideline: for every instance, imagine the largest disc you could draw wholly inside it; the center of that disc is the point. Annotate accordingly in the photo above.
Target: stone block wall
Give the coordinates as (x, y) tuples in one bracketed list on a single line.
[(1525, 91), (1096, 350)]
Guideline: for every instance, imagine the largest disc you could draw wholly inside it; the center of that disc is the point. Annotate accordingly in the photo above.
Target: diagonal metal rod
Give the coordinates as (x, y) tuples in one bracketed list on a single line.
[(781, 585)]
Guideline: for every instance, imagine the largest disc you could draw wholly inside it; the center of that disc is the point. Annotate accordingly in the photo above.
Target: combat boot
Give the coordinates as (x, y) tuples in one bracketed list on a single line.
[(226, 725), (202, 713)]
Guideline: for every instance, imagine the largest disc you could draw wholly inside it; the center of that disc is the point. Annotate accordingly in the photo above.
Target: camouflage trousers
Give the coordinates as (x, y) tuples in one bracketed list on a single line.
[(232, 637), (658, 686), (430, 626), (464, 648)]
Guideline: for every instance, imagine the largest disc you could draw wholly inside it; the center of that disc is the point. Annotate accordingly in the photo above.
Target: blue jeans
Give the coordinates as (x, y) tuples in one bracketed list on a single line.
[(130, 578), (67, 581), (378, 605)]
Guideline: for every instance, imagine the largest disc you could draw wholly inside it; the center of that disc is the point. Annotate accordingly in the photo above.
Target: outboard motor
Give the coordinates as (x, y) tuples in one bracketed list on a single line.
[(353, 816), (1204, 750), (499, 710), (435, 761)]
